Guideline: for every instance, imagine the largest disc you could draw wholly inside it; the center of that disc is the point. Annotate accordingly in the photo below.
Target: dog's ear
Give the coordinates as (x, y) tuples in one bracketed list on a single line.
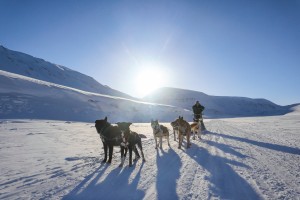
[(105, 119), (129, 123)]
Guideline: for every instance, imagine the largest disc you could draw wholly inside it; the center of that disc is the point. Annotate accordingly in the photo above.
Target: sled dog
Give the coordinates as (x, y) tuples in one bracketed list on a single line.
[(130, 140), (159, 131), (184, 129)]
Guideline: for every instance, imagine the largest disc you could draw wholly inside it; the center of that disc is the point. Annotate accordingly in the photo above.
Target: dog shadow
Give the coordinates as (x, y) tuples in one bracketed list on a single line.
[(225, 148), (168, 171), (276, 147), (225, 183), (114, 186)]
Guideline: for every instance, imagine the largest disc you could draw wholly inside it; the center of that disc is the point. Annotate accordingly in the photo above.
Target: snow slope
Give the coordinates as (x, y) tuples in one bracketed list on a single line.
[(217, 106), (26, 65), (240, 158), (19, 104), (29, 98)]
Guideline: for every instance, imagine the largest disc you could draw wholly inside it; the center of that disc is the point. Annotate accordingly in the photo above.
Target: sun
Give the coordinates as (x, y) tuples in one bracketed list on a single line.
[(148, 80)]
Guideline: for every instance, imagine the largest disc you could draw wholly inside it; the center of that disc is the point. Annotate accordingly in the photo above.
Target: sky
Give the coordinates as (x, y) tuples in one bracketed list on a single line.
[(222, 48)]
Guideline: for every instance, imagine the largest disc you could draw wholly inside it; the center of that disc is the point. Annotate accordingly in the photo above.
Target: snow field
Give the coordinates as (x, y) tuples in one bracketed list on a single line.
[(240, 158)]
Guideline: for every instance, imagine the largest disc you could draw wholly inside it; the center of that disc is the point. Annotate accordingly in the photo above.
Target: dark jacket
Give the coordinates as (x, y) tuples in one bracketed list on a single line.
[(198, 109)]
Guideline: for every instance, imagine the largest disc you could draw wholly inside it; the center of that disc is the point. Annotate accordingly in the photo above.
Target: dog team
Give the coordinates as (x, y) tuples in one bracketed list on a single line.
[(122, 136)]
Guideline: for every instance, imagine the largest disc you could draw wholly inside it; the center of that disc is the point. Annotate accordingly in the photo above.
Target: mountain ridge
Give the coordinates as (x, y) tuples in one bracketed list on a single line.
[(217, 106), (30, 66), (35, 85), (23, 97)]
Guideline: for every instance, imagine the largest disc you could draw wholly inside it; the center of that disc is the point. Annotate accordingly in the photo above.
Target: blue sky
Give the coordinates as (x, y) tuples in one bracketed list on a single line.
[(223, 48)]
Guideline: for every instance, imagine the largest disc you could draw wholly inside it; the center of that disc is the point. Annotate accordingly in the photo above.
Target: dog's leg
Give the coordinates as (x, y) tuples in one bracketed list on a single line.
[(180, 140), (168, 140), (160, 141), (194, 133), (174, 135), (155, 141), (105, 152), (139, 144), (137, 155), (125, 151), (110, 149), (130, 155), (122, 156), (188, 135)]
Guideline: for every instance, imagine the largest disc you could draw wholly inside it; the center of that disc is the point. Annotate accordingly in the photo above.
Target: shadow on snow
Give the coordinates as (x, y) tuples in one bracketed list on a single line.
[(168, 171), (276, 147), (225, 148), (225, 183), (115, 185)]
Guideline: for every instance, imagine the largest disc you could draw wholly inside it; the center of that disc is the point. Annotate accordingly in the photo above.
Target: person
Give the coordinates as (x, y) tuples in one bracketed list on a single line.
[(197, 110)]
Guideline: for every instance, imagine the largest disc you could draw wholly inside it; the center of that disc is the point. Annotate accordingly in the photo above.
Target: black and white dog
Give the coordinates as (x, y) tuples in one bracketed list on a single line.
[(130, 140)]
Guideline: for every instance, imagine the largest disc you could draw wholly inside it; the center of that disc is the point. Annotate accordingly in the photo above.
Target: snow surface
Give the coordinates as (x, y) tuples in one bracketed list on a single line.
[(240, 158)]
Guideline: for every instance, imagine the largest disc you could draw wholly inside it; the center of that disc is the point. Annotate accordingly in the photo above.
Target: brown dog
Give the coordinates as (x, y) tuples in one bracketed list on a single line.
[(196, 129), (184, 129)]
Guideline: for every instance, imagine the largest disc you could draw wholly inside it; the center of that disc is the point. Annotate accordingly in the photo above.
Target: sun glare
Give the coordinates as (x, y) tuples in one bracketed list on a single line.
[(148, 80)]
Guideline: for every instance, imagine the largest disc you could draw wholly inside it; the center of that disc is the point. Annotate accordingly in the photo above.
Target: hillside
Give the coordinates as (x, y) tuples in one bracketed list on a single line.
[(26, 65), (28, 98), (34, 88), (217, 106)]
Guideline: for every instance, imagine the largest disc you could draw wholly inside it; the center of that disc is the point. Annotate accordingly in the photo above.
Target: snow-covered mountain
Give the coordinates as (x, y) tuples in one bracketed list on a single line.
[(217, 106), (26, 65), (34, 88), (29, 98)]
